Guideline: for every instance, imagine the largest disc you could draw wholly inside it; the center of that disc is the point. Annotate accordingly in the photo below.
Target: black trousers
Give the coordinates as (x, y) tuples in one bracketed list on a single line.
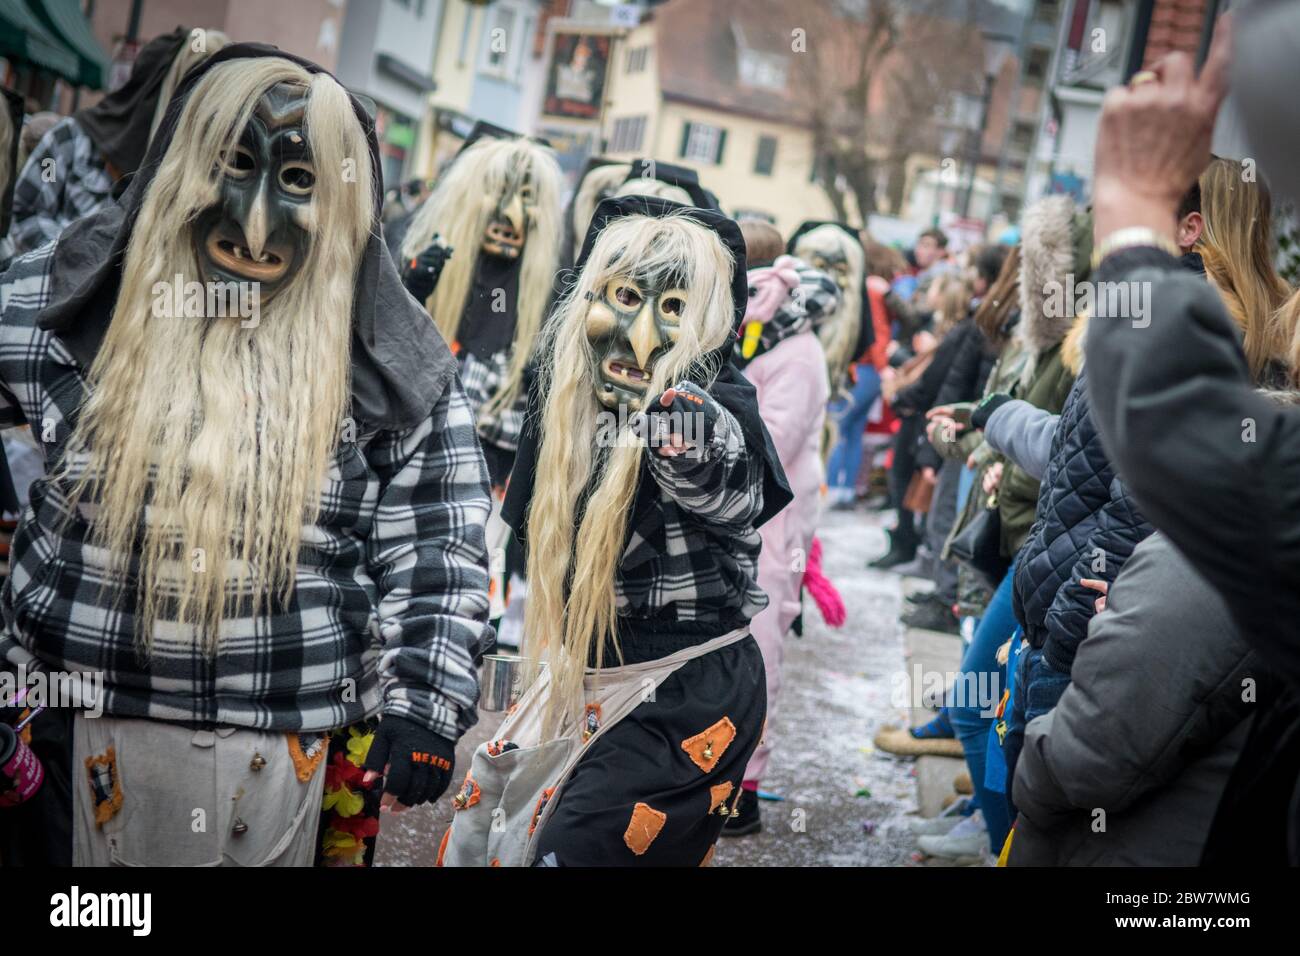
[(639, 797)]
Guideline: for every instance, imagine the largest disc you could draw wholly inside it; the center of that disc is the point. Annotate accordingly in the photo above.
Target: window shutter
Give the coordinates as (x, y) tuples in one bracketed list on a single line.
[(686, 137), (722, 143)]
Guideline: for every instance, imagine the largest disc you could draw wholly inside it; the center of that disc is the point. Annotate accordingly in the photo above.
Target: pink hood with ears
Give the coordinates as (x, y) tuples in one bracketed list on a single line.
[(770, 288)]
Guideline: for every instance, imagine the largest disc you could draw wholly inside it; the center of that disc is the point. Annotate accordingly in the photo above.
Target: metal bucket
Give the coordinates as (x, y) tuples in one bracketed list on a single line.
[(501, 684)]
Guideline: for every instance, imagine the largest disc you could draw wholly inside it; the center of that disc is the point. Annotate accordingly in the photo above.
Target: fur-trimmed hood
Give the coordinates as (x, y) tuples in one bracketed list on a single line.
[(1056, 242)]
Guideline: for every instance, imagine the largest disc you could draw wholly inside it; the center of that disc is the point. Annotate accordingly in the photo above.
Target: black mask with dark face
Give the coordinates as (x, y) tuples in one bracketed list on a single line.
[(631, 324), (255, 231), (507, 230)]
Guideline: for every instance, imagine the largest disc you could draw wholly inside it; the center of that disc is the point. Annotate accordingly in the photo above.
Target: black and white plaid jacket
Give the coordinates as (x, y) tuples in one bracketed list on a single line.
[(64, 179), (389, 605), (482, 380), (691, 561)]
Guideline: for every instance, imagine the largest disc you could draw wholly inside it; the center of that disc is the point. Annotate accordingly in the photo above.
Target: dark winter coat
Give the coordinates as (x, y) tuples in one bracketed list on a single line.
[(973, 360), (1087, 526), (1216, 465), (1046, 388), (1148, 731)]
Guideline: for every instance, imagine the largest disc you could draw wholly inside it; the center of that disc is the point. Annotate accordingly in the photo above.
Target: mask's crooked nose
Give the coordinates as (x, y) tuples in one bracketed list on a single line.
[(645, 337)]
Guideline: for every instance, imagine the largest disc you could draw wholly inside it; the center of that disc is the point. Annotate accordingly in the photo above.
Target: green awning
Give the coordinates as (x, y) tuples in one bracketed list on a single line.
[(22, 38), (64, 19)]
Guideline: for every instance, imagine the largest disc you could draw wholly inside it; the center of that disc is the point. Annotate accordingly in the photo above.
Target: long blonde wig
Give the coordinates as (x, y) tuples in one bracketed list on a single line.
[(838, 331), (584, 489), (460, 209), (1237, 250), (216, 436), (600, 181), (199, 44)]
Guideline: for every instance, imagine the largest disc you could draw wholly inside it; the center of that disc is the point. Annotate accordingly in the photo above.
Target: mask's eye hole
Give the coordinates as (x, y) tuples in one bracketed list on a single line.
[(625, 294), (297, 178), (239, 165), (753, 291), (672, 305)]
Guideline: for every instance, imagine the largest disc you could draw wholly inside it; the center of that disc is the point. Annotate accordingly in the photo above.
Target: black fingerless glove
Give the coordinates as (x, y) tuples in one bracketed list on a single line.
[(985, 409), (691, 414), (418, 761), (420, 275)]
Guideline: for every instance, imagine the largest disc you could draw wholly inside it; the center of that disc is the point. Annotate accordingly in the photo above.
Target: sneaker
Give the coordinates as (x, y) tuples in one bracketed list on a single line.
[(747, 818), (941, 825), (934, 616), (967, 839)]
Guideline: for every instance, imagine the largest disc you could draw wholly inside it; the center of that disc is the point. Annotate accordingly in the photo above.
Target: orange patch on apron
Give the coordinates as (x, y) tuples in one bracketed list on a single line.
[(643, 828), (707, 747), (718, 793)]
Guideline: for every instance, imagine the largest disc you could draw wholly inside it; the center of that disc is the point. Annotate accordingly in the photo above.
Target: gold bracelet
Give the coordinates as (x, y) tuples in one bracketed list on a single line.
[(1131, 237)]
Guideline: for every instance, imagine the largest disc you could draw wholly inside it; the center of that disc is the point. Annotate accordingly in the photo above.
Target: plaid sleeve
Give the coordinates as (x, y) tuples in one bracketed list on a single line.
[(64, 179), (719, 485), (24, 291), (482, 381), (816, 294), (427, 554)]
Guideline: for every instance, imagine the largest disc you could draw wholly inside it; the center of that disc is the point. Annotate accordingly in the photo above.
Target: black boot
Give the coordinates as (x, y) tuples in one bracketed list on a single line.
[(901, 550), (747, 819), (934, 616)]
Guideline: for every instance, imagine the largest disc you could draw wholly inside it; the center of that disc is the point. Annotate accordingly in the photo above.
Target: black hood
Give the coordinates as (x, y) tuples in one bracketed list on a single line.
[(808, 225), (729, 388), (617, 207), (119, 124), (866, 328), (679, 176), (482, 129), (400, 364)]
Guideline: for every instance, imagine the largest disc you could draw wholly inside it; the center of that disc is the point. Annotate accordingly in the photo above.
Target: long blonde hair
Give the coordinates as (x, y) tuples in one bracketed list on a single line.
[(584, 489), (839, 331), (600, 181), (1236, 248), (460, 209), (214, 435), (951, 293), (186, 59)]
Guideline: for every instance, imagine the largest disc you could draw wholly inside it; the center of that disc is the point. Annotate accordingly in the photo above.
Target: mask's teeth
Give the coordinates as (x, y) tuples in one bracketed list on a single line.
[(239, 254)]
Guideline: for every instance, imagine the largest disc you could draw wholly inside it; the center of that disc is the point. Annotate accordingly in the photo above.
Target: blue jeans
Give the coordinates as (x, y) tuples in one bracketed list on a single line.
[(850, 417), (964, 485), (978, 689), (1038, 688)]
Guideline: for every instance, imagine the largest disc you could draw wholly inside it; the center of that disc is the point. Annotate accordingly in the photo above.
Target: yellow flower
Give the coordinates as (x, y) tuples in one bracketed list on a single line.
[(343, 801), (359, 745), (342, 848)]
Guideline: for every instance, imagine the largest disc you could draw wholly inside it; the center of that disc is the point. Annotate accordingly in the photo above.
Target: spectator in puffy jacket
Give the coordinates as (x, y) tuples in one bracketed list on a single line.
[(1087, 526), (1160, 703), (1171, 397)]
